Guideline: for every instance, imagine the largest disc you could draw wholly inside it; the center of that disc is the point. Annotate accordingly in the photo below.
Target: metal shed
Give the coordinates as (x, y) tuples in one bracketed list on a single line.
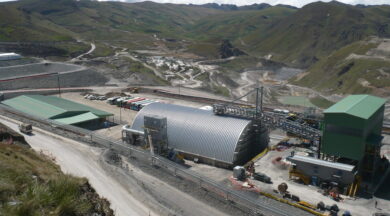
[(55, 108), (219, 140)]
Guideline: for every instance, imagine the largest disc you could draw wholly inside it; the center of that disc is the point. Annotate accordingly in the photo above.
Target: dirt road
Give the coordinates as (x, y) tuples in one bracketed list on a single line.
[(81, 160)]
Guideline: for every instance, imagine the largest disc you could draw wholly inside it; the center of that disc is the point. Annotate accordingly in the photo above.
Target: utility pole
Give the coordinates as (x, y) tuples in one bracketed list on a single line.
[(120, 112), (58, 83), (261, 99), (257, 103)]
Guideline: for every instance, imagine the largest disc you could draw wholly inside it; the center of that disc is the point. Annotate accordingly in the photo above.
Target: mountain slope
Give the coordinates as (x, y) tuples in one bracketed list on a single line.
[(98, 20), (318, 29), (361, 67), (297, 37), (237, 24)]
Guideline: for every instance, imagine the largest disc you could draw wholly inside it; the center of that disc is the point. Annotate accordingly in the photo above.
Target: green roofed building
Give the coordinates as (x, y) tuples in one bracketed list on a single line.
[(352, 131), (58, 109)]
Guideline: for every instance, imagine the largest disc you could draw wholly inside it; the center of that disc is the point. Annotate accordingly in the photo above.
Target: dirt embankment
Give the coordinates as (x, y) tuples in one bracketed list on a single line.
[(9, 136), (32, 184)]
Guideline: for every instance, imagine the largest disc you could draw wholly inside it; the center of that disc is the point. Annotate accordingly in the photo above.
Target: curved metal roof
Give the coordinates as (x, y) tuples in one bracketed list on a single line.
[(197, 131)]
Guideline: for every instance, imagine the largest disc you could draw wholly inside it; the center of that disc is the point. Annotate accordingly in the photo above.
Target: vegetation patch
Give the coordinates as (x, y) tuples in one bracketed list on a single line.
[(321, 102), (221, 90), (296, 101), (31, 184), (341, 73)]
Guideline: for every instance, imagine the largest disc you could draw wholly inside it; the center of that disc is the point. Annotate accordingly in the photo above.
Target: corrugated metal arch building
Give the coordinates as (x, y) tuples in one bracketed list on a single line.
[(219, 140)]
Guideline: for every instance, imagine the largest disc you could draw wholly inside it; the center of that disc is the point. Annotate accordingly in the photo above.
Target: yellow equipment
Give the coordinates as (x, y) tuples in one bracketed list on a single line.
[(308, 205), (297, 174)]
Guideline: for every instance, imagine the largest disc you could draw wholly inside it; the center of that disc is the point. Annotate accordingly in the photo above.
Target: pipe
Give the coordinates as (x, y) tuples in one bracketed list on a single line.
[(128, 129)]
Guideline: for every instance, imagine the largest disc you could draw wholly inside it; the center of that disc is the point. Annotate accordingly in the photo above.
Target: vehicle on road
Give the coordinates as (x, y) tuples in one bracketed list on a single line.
[(25, 128)]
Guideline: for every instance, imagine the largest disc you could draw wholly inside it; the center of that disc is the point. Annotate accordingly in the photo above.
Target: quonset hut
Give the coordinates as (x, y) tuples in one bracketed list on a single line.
[(212, 139)]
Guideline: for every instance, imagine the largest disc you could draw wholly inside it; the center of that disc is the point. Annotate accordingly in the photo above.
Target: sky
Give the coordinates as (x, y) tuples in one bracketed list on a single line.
[(296, 3)]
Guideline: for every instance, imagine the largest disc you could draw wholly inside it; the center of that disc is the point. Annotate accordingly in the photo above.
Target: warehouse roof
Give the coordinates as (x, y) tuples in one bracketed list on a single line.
[(78, 118), (197, 131), (362, 106), (315, 161), (55, 108)]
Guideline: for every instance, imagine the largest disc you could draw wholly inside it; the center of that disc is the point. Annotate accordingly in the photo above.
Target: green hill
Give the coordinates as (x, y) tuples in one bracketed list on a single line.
[(318, 29), (303, 38), (298, 37), (43, 20), (361, 67)]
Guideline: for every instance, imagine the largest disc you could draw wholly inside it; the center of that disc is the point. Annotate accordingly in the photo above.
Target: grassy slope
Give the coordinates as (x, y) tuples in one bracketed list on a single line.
[(233, 25), (336, 74), (31, 184), (298, 37), (317, 30), (67, 20), (236, 24)]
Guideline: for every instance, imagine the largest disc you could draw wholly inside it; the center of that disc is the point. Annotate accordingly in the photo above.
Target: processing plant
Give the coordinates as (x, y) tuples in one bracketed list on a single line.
[(345, 149), (349, 156)]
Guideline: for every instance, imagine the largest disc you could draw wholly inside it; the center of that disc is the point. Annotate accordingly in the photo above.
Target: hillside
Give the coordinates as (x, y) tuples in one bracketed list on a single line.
[(298, 37), (302, 38), (361, 67), (31, 184), (49, 20), (318, 29)]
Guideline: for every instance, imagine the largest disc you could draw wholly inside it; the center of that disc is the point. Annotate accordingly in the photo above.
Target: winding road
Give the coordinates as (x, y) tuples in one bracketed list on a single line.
[(93, 47)]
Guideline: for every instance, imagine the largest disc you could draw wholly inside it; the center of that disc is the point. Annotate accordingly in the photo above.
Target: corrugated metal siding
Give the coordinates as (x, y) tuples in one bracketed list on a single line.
[(197, 131), (362, 106)]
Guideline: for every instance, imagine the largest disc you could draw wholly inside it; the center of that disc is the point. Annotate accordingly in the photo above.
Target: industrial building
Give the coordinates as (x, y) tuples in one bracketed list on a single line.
[(58, 109), (352, 134), (349, 154), (9, 56), (201, 135)]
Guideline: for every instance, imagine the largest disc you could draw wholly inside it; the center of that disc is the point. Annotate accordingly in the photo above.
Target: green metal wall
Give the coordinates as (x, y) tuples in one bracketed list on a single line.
[(341, 142)]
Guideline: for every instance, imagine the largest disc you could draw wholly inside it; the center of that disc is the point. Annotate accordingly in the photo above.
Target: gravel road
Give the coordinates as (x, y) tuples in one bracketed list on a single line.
[(82, 161)]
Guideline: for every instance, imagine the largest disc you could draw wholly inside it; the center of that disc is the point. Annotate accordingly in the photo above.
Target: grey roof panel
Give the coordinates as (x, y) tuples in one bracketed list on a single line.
[(197, 131), (311, 160)]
